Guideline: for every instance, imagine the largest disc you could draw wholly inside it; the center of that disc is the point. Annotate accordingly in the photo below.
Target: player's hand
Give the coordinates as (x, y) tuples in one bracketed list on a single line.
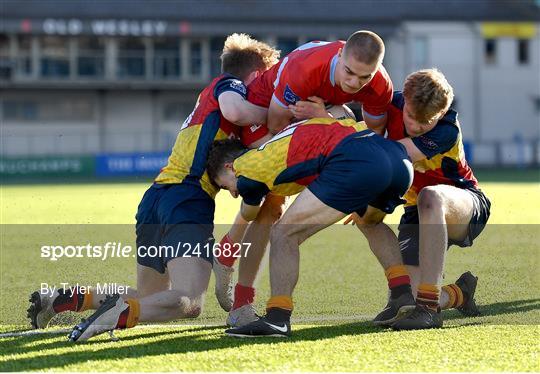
[(354, 219), (309, 109)]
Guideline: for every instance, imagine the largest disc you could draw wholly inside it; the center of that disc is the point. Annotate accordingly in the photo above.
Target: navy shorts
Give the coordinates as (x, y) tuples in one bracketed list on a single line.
[(174, 220), (409, 227), (364, 169)]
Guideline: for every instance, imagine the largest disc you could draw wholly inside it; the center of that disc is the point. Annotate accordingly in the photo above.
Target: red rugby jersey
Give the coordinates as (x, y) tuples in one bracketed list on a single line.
[(309, 71)]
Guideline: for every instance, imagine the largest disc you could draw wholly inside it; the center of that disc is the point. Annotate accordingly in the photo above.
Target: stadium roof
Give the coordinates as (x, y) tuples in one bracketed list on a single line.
[(288, 18), (279, 10)]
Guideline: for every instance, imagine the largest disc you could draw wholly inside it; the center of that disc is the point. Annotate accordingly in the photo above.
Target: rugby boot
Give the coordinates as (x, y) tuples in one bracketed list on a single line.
[(104, 319), (224, 284), (467, 283), (41, 309), (242, 316), (396, 309), (260, 328), (421, 318)]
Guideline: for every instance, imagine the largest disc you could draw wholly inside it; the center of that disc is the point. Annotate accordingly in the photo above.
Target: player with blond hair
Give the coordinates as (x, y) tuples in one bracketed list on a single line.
[(177, 208), (445, 205)]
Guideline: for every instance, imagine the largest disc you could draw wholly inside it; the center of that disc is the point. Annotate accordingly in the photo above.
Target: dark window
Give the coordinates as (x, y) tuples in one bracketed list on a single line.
[(196, 58), (131, 55), (176, 111), (523, 51), (287, 45), (316, 39), (216, 47), (54, 57), (166, 58), (490, 51), (91, 59), (6, 65), (23, 61), (48, 109)]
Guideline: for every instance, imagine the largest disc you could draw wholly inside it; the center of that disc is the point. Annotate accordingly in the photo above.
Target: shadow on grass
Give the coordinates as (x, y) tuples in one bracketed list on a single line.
[(179, 342), (502, 308)]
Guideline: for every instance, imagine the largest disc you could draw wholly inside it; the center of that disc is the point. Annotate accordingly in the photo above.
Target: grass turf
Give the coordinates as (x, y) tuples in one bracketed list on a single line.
[(340, 288)]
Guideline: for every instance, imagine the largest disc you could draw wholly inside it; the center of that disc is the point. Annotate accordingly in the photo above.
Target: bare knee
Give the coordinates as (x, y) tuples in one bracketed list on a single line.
[(191, 307), (282, 231), (430, 200), (193, 311)]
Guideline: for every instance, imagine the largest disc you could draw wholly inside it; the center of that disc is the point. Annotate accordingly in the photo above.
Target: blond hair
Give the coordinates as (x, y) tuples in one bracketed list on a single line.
[(242, 55), (428, 93), (365, 46)]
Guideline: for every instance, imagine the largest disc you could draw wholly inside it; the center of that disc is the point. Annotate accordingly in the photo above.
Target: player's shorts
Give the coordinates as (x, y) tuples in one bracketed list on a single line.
[(174, 220), (409, 227), (364, 169)]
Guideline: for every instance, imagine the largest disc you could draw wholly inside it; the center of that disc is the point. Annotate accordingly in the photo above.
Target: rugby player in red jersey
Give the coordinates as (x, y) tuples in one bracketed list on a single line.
[(177, 208), (339, 167), (445, 205), (329, 73)]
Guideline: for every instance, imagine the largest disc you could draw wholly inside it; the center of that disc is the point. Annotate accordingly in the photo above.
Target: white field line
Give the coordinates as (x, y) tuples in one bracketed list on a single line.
[(300, 320)]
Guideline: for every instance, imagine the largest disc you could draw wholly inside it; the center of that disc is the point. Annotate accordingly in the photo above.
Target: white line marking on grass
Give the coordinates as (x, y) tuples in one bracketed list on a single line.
[(300, 320)]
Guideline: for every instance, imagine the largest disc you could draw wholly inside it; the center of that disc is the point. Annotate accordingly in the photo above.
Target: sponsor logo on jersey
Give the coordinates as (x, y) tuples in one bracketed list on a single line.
[(254, 128), (238, 86), (428, 143), (290, 97)]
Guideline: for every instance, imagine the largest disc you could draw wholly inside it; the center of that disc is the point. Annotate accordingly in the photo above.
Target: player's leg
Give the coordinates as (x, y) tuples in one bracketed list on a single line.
[(384, 245), (45, 305), (257, 236), (185, 252), (444, 213), (189, 282), (306, 216), (223, 264)]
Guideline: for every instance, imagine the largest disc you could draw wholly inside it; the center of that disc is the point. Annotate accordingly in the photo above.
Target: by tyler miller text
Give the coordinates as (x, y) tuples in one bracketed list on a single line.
[(99, 288)]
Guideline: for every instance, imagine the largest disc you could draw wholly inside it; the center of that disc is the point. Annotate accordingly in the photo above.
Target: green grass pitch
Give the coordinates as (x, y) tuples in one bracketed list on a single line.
[(340, 288)]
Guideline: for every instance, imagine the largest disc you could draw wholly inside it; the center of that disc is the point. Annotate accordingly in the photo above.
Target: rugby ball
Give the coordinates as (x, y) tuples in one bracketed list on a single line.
[(340, 112)]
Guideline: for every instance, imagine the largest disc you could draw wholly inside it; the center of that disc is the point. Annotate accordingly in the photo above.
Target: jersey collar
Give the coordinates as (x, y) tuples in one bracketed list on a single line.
[(333, 64)]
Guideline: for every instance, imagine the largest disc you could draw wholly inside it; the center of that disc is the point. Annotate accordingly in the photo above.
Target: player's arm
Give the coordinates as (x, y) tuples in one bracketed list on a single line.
[(249, 212), (253, 193), (414, 153), (236, 109), (278, 117), (313, 107), (375, 123), (437, 141)]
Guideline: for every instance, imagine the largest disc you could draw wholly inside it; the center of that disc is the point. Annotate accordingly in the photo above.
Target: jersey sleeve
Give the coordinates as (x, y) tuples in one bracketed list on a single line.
[(230, 85), (292, 84), (439, 140), (376, 104), (252, 191)]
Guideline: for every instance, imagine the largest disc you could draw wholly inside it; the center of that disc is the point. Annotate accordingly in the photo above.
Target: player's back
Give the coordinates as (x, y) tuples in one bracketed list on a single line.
[(313, 59), (187, 162), (294, 157)]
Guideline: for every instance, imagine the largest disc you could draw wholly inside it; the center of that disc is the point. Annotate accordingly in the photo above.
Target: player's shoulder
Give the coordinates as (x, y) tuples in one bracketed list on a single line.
[(398, 101), (313, 54), (228, 82), (381, 82), (446, 132)]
